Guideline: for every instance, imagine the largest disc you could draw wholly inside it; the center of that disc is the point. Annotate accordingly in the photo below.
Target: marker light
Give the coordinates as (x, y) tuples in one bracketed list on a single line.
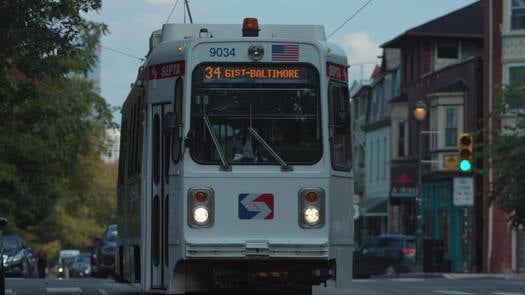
[(201, 196), (200, 215), (312, 215), (312, 197), (256, 52)]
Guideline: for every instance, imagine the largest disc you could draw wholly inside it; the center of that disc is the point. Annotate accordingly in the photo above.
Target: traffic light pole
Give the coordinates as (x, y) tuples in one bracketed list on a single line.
[(420, 221)]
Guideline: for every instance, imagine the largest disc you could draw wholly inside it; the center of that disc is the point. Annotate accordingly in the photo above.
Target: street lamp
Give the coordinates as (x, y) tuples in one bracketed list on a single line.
[(420, 114)]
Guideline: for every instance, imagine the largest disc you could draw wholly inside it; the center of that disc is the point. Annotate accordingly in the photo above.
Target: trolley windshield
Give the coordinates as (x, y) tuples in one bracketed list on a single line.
[(240, 105)]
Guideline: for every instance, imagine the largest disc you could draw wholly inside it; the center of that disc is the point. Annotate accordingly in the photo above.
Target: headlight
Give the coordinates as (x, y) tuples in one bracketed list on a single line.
[(200, 207), (15, 259), (312, 215), (60, 269), (200, 215)]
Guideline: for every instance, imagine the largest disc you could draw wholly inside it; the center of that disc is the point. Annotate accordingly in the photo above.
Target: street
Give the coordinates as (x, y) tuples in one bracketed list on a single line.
[(448, 284)]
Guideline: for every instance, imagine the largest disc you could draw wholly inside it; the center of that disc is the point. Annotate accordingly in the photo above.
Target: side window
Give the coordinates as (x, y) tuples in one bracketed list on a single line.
[(130, 139), (177, 138), (340, 134), (123, 147), (156, 149), (140, 133)]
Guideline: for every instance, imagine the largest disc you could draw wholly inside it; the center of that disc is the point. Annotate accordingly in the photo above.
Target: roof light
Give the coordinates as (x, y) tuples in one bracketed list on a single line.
[(250, 27)]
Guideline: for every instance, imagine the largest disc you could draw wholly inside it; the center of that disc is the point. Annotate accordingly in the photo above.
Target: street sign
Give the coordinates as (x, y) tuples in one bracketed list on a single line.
[(450, 162), (463, 191)]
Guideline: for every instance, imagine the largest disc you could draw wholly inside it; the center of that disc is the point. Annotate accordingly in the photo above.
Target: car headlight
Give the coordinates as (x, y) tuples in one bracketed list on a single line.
[(201, 215), (15, 259), (312, 215)]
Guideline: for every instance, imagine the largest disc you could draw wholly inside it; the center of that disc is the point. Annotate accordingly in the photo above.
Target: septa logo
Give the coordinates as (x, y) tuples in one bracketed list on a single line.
[(256, 206)]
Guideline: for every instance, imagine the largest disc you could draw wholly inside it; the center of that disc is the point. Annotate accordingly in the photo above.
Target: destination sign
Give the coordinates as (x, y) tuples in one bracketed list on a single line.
[(243, 73), (337, 72)]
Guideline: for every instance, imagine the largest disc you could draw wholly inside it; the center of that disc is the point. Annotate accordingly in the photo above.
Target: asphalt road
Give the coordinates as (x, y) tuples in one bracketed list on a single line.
[(469, 285)]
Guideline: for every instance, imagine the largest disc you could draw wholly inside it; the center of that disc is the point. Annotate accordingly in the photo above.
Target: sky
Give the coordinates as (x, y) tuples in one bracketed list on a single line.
[(131, 22)]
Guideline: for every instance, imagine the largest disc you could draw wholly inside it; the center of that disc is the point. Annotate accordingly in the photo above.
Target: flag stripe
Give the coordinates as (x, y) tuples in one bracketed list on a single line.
[(285, 52)]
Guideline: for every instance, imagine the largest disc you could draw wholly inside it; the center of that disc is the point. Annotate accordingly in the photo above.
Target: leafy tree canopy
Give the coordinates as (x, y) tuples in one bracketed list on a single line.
[(52, 124), (507, 150)]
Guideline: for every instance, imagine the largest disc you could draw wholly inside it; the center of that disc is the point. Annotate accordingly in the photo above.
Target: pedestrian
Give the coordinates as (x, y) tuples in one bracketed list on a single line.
[(42, 265)]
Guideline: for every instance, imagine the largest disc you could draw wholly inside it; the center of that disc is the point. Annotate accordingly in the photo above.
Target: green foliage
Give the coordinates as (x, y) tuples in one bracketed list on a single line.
[(54, 188), (507, 150)]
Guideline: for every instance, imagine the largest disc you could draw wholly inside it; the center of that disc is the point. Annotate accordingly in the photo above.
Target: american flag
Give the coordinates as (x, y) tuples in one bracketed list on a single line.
[(285, 52)]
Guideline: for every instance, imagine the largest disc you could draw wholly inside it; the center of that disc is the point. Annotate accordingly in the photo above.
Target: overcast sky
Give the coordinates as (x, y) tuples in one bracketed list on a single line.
[(131, 22)]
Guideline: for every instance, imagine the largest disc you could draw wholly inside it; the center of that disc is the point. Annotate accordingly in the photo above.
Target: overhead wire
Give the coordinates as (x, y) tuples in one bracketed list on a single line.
[(350, 18), (172, 10), (123, 53)]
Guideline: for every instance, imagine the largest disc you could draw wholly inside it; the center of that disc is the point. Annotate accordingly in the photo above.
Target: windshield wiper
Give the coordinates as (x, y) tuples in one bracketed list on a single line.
[(225, 165), (284, 166)]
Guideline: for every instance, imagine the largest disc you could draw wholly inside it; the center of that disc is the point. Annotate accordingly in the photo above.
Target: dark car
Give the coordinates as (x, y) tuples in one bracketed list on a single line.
[(385, 254), (81, 266), (17, 257), (103, 260), (3, 223)]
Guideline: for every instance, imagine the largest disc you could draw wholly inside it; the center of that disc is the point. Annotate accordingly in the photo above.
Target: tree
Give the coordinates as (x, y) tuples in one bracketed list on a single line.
[(507, 150), (52, 123)]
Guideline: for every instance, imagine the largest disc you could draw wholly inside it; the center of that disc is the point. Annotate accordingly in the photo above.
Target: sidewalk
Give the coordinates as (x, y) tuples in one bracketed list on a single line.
[(453, 276)]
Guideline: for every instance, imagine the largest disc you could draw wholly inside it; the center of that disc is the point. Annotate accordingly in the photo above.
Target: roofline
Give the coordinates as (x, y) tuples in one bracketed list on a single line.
[(407, 32), (390, 44)]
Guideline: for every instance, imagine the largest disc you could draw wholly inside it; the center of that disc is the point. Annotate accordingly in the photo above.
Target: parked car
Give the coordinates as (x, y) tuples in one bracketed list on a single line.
[(65, 262), (17, 257), (103, 259), (3, 223), (385, 254), (81, 266)]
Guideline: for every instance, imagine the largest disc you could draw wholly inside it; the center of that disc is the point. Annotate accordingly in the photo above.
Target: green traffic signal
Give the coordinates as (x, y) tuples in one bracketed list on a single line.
[(465, 165)]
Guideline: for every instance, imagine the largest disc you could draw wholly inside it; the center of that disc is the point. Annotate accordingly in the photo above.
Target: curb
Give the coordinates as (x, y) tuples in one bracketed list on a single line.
[(454, 276)]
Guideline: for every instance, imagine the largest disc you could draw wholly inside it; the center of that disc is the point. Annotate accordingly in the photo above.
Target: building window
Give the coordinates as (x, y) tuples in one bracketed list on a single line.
[(517, 79), (371, 167), (517, 15), (378, 160), (384, 158), (447, 51), (451, 129), (434, 126), (401, 140)]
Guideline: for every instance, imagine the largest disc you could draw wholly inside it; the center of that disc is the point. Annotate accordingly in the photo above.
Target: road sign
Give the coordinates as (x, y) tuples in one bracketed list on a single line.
[(463, 191), (450, 162)]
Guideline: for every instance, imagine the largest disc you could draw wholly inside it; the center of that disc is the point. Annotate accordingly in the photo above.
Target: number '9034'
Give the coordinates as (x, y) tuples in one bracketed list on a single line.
[(222, 52)]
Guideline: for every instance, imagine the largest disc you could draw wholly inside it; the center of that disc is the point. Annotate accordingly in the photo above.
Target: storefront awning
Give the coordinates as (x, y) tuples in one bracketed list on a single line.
[(374, 207)]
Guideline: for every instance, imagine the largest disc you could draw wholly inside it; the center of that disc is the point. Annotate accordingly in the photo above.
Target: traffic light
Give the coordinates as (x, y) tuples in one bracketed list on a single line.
[(466, 145)]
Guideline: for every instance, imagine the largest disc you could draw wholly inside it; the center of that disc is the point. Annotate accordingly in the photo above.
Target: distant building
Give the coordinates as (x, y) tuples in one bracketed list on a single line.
[(504, 247), (360, 95), (111, 154)]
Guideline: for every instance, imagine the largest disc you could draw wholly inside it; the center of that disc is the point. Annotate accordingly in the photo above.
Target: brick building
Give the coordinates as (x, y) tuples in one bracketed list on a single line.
[(441, 65)]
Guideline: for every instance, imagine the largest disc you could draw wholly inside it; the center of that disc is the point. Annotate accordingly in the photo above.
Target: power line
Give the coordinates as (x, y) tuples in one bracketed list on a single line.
[(364, 63), (171, 12), (122, 53), (351, 17)]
